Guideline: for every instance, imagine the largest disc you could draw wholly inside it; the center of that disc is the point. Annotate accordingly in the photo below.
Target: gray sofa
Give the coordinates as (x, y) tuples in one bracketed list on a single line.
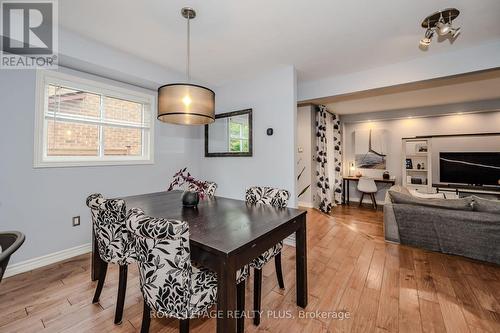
[(468, 227)]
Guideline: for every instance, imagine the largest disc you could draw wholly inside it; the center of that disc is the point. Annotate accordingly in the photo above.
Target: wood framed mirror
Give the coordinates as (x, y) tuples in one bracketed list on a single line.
[(230, 135)]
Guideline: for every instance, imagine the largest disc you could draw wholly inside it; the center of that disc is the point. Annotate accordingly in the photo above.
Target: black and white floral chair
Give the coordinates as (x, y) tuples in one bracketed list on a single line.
[(209, 190), (277, 198), (114, 244), (171, 284)]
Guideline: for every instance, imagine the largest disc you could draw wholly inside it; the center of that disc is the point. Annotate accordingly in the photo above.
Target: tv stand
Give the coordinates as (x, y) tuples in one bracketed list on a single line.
[(469, 189)]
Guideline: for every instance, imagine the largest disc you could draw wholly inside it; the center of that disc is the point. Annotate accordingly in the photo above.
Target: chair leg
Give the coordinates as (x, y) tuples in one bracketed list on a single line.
[(361, 200), (374, 201), (122, 289), (146, 318), (279, 271), (240, 305), (184, 326), (257, 286), (100, 282)]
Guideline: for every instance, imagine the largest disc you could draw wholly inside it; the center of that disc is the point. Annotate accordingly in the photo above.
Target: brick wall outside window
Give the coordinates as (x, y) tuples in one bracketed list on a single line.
[(78, 139)]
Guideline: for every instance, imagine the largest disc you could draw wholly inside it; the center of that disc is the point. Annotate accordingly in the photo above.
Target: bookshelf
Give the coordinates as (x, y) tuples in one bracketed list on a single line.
[(416, 164)]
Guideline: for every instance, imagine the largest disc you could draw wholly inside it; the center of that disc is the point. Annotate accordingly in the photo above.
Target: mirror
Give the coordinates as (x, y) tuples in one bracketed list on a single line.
[(229, 135)]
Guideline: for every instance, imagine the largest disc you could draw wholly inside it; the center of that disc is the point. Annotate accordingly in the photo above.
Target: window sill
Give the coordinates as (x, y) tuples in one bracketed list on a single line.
[(70, 164)]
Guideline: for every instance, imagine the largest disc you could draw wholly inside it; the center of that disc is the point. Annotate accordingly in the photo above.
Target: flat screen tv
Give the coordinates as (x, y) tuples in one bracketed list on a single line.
[(474, 168)]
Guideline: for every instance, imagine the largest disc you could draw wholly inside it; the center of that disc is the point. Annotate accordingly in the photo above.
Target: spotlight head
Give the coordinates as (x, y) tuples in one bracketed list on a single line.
[(425, 41), (443, 28), (428, 37), (455, 32)]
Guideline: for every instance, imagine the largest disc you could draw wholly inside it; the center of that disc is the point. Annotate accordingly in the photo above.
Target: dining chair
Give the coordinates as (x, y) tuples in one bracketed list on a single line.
[(367, 186), (10, 241), (171, 284), (115, 245), (210, 189), (277, 198)]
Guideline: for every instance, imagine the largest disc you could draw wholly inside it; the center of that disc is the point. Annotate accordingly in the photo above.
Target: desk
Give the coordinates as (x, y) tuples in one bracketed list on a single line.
[(347, 179), (225, 235)]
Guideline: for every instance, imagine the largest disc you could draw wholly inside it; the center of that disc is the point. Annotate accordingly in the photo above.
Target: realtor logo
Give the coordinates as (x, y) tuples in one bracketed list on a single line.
[(29, 34)]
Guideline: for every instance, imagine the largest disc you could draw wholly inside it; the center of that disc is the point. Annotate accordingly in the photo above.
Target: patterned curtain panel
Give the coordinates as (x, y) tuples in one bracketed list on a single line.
[(324, 193), (337, 162)]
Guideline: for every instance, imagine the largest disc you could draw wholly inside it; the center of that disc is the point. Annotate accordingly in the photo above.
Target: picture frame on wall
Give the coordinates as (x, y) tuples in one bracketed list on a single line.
[(421, 148)]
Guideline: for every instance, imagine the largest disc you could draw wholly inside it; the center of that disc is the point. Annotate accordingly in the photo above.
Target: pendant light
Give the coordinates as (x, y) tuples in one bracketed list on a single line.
[(186, 103)]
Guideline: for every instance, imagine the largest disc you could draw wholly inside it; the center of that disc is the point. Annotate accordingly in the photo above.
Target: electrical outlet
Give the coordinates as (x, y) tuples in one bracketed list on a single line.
[(76, 221)]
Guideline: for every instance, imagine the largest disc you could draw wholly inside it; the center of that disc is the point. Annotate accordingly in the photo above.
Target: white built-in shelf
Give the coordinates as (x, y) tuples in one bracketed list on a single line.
[(410, 149)]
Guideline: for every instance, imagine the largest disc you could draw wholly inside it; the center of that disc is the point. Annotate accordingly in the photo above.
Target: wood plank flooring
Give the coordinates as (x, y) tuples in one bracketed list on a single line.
[(384, 288)]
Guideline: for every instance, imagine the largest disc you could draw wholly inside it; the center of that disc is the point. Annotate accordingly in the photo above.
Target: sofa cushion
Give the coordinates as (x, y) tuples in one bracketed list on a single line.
[(468, 233), (486, 205), (455, 204)]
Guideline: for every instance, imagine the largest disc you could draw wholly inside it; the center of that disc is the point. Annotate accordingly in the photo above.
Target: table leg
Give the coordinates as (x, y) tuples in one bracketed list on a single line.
[(95, 259), (343, 191), (301, 262), (226, 298), (348, 191)]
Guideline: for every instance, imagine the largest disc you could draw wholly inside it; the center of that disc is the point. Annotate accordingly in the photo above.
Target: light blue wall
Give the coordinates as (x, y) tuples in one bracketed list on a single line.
[(273, 100), (41, 202)]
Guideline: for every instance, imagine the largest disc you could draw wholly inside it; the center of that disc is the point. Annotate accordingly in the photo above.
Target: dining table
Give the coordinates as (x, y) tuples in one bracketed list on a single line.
[(225, 235)]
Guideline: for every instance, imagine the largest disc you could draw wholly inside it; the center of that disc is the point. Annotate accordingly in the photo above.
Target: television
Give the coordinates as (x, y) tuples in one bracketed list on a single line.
[(473, 168)]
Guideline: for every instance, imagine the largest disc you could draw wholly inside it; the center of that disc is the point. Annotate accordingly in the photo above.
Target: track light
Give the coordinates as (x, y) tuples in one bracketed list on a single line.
[(441, 23)]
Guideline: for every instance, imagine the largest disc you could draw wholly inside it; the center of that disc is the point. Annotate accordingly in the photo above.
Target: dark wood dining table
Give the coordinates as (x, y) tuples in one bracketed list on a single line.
[(225, 235)]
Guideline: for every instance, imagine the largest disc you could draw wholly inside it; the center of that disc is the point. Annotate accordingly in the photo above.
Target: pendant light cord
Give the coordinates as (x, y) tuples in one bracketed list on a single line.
[(188, 74)]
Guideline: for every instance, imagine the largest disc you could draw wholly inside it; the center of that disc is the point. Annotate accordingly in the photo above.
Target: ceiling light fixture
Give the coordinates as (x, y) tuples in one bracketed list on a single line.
[(440, 23), (186, 103)]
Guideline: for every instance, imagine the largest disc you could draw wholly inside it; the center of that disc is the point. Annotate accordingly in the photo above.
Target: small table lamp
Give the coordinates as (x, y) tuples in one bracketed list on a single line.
[(352, 168)]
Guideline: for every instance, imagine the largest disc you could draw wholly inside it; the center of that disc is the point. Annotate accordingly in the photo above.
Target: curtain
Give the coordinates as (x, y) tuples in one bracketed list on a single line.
[(337, 160), (323, 185)]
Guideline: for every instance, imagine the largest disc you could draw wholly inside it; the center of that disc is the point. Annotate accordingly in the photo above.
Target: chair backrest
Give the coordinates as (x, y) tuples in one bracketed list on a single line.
[(108, 220), (366, 184), (163, 256), (267, 195), (10, 241), (210, 188)]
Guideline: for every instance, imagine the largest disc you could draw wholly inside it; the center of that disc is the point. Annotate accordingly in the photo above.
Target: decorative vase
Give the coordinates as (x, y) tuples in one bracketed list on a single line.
[(190, 199)]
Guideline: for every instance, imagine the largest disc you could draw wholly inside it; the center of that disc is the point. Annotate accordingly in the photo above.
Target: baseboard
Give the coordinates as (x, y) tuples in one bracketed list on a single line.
[(31, 264), (306, 204)]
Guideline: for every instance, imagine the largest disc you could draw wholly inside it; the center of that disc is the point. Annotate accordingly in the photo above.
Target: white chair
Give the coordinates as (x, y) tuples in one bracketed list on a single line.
[(367, 186)]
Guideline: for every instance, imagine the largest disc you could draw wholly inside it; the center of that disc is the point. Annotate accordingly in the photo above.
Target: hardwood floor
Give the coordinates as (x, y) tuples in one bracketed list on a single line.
[(384, 287)]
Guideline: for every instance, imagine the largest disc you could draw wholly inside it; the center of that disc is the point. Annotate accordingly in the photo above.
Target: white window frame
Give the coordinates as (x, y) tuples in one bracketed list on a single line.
[(41, 160), (239, 137)]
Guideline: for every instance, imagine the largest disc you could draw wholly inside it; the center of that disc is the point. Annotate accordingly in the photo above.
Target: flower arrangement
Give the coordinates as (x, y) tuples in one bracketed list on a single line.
[(183, 179)]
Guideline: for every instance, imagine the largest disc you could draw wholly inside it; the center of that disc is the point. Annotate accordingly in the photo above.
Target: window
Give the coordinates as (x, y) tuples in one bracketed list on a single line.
[(238, 134), (82, 122)]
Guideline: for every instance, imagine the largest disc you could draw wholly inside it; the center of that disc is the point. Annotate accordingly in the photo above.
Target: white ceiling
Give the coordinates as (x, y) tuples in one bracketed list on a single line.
[(464, 88), (235, 39)]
